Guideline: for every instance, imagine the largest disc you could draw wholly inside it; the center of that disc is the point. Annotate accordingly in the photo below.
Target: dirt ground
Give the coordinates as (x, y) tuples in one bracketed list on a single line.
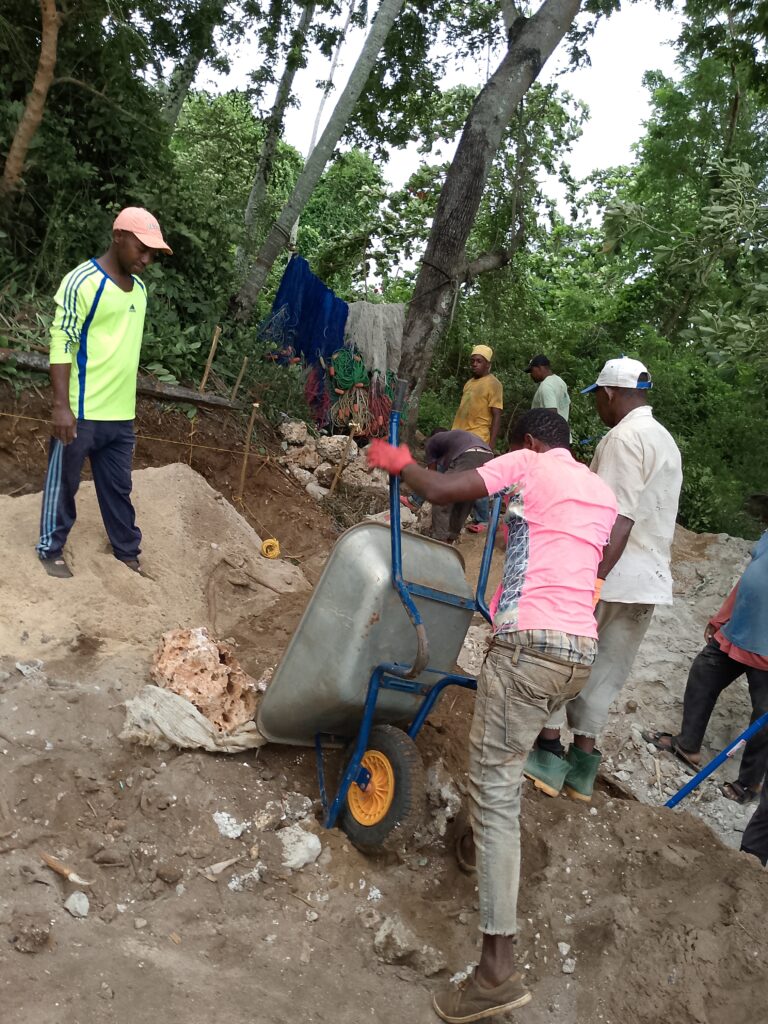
[(662, 919)]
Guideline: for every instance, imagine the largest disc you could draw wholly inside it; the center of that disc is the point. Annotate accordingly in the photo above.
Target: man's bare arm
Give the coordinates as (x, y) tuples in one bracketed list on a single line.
[(444, 488), (63, 422), (614, 549), (495, 426)]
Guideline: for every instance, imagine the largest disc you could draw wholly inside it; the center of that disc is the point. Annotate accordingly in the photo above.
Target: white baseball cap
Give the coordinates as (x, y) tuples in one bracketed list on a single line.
[(622, 373)]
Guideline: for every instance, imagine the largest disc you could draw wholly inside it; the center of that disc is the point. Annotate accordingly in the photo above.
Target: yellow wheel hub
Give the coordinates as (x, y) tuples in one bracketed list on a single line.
[(370, 806)]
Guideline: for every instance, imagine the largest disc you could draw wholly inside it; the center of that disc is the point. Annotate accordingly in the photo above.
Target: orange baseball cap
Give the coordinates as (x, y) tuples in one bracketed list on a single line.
[(144, 226)]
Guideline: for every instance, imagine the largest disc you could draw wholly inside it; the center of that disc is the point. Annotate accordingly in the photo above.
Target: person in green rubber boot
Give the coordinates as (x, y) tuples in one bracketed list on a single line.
[(639, 460)]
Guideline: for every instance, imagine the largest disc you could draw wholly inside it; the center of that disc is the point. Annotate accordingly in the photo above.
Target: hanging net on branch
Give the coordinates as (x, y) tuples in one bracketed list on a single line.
[(347, 370), (352, 408), (316, 395)]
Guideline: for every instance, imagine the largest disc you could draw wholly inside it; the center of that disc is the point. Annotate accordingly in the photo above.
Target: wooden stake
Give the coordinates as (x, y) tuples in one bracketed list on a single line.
[(246, 450), (211, 354), (353, 430), (239, 379)]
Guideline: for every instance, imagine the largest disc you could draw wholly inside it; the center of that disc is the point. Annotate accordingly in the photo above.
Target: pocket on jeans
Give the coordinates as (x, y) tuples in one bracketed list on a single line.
[(577, 683), (526, 710)]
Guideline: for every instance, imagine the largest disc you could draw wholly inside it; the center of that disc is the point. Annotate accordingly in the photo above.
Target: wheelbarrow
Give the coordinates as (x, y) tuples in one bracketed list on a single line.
[(375, 649)]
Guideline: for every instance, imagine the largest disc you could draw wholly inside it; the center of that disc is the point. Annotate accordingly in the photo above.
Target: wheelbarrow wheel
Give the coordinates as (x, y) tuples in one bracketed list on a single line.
[(393, 804)]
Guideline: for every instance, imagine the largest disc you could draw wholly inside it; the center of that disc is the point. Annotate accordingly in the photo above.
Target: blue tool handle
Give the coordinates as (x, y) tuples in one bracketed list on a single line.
[(707, 770)]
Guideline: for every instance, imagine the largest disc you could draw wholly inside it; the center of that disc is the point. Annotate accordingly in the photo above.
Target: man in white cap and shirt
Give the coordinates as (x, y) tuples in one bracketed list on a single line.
[(639, 460), (95, 343)]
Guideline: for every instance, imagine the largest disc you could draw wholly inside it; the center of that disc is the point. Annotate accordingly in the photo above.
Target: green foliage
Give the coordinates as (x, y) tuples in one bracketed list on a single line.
[(338, 223), (678, 275)]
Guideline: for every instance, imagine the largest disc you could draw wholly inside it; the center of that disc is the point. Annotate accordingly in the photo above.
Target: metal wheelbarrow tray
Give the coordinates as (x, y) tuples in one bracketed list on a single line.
[(354, 622), (373, 652)]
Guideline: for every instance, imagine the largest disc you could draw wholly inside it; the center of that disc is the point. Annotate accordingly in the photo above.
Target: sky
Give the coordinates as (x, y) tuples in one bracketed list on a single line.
[(634, 40)]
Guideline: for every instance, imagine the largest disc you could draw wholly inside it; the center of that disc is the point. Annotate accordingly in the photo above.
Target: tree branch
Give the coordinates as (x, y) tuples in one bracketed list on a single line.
[(103, 96), (492, 260), (462, 190), (510, 12), (35, 103)]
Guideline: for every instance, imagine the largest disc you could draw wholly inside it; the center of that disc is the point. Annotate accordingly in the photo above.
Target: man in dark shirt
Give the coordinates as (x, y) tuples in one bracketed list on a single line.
[(453, 451)]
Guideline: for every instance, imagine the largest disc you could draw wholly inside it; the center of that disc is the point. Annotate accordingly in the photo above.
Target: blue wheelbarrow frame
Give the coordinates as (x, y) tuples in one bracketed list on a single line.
[(393, 675)]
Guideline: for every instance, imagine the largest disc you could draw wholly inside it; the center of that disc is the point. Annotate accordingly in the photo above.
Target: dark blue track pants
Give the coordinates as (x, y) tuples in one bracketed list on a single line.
[(109, 445)]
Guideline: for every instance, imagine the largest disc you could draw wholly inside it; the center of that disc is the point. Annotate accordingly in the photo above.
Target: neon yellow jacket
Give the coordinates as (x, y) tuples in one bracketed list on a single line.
[(98, 329)]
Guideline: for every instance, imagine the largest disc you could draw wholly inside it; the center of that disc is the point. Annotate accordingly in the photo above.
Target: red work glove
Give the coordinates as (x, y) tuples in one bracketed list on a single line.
[(598, 587), (382, 455)]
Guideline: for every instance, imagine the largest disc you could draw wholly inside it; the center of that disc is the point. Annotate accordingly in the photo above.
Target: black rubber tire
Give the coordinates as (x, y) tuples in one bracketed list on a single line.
[(409, 803)]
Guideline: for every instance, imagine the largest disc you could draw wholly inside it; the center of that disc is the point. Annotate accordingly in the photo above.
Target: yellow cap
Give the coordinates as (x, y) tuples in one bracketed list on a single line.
[(484, 351)]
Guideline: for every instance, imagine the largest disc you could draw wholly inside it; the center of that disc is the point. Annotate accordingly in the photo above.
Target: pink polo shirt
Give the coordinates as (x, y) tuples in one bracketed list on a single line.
[(560, 517)]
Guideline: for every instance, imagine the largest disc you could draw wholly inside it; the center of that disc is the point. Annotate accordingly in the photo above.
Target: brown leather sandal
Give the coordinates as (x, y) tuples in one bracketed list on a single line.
[(738, 793)]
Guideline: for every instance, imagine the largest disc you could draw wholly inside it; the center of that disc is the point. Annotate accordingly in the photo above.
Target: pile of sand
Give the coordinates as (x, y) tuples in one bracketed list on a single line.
[(201, 560)]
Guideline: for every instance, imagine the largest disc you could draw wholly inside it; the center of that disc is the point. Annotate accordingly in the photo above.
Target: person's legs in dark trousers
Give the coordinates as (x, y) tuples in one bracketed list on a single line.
[(461, 509), (441, 523), (62, 480), (711, 672), (754, 760), (111, 460), (755, 838)]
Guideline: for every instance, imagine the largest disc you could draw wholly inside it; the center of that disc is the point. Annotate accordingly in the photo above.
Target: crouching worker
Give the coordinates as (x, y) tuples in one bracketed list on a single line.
[(559, 517), (453, 451)]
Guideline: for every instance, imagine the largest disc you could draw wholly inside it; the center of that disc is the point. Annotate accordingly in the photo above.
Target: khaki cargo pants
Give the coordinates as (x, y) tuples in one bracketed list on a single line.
[(621, 628), (517, 691)]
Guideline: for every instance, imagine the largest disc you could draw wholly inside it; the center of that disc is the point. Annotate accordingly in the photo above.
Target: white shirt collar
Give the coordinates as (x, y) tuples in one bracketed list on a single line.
[(636, 414)]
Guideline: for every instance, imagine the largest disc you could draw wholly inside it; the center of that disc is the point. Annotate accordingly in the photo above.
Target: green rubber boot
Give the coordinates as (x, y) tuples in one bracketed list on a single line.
[(546, 771), (582, 772)]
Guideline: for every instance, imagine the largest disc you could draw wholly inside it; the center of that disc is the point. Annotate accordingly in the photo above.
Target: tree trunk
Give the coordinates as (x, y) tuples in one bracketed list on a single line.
[(323, 100), (444, 264), (180, 83), (258, 193), (279, 235), (183, 75), (35, 103)]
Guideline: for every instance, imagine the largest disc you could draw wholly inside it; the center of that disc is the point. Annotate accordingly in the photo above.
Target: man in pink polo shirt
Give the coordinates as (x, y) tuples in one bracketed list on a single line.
[(560, 517)]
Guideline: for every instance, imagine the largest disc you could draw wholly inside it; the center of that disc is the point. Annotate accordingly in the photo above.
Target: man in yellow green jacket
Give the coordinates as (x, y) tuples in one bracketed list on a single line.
[(94, 357)]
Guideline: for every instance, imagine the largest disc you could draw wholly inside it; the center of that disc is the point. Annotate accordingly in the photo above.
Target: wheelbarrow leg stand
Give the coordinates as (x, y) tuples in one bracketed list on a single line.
[(431, 699), (354, 772)]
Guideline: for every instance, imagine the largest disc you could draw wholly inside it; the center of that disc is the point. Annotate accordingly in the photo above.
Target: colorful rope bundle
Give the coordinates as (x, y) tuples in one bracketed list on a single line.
[(380, 404), (353, 407), (347, 370), (359, 398)]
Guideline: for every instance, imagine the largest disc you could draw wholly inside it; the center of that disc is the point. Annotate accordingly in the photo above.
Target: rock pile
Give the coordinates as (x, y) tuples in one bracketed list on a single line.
[(315, 461)]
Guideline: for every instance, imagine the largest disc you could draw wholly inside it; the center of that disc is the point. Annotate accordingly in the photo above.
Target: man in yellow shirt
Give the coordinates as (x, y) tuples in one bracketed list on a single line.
[(479, 413)]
